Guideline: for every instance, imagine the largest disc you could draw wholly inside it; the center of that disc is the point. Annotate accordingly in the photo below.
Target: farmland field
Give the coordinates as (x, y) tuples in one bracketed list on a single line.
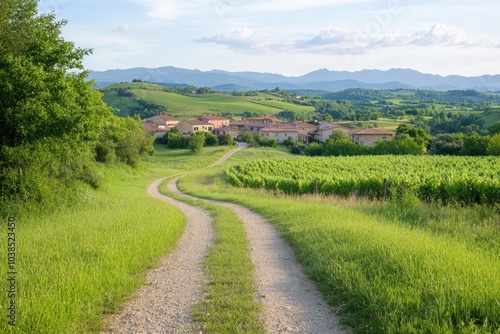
[(400, 266), (464, 180)]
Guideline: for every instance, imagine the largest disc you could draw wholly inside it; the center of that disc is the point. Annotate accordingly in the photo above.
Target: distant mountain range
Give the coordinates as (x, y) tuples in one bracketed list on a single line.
[(322, 79)]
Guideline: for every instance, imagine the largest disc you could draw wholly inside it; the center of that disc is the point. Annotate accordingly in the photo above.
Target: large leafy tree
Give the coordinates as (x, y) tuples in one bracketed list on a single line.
[(42, 83), (53, 125)]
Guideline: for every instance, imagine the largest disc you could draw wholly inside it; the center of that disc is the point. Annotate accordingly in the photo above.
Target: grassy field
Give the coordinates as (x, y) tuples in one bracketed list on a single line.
[(195, 105), (76, 265), (402, 267)]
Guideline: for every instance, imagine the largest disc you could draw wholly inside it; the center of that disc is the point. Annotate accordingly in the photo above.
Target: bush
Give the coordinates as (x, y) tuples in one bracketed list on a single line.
[(226, 140), (196, 141)]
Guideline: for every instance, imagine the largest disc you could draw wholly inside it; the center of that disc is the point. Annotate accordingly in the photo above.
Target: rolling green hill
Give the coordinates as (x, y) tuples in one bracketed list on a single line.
[(133, 98)]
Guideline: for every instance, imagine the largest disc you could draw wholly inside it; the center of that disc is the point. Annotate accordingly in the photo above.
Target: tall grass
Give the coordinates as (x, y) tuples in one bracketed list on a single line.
[(77, 264), (384, 275)]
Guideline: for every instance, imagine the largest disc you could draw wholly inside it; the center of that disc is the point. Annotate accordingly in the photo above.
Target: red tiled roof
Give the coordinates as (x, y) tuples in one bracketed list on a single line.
[(242, 122), (168, 117), (213, 118), (196, 122)]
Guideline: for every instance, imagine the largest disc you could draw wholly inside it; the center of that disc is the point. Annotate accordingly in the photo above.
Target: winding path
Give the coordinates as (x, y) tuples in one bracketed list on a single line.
[(291, 302)]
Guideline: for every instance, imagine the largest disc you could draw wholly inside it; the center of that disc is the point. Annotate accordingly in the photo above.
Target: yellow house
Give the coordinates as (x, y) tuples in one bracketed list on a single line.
[(369, 137), (280, 134), (217, 121), (192, 126)]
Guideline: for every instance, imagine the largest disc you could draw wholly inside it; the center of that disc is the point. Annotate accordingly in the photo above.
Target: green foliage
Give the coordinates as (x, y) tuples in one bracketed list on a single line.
[(173, 138), (210, 139), (226, 140), (495, 128), (247, 137), (50, 118), (196, 141), (494, 145), (401, 145), (266, 142), (420, 135), (402, 267), (446, 144), (463, 180), (475, 145), (343, 147)]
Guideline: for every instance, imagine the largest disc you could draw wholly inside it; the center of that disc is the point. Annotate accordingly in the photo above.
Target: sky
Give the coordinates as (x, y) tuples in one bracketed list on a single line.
[(288, 37)]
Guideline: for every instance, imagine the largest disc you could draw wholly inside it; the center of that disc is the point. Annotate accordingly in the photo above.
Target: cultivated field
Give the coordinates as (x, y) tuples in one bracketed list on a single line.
[(400, 266), (448, 179)]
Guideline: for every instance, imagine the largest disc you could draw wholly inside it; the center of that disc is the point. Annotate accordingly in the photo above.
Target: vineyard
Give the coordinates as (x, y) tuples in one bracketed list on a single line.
[(464, 180)]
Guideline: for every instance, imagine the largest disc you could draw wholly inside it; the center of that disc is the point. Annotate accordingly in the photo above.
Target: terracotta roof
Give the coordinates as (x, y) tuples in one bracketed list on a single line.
[(168, 117), (372, 132), (242, 122), (213, 118), (153, 128), (262, 118), (304, 124), (197, 122)]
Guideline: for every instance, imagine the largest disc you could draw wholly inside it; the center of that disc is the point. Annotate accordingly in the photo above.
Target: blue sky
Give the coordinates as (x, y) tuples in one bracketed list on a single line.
[(288, 37)]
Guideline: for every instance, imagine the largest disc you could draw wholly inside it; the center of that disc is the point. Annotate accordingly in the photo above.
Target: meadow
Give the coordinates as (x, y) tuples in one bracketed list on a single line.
[(399, 266), (195, 105), (78, 264)]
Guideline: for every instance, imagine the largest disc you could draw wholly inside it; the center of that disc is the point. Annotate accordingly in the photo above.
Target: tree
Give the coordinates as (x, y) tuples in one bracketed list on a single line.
[(210, 139), (419, 134), (494, 146), (475, 145), (401, 145), (51, 120), (339, 134), (494, 129), (196, 141), (226, 140), (446, 144), (343, 147)]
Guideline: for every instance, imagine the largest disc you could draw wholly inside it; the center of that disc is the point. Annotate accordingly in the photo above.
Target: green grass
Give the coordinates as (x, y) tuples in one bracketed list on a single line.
[(195, 105), (76, 265), (383, 274), (491, 118)]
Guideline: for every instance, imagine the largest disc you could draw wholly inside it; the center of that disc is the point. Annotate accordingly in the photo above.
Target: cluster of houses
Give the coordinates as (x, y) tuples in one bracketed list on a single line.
[(266, 126)]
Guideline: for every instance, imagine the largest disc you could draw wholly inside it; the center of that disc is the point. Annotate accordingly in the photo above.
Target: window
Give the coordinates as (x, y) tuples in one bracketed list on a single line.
[(195, 128)]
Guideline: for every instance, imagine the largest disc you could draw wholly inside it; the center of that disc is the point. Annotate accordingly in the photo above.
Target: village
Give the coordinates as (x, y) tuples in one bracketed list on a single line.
[(265, 126)]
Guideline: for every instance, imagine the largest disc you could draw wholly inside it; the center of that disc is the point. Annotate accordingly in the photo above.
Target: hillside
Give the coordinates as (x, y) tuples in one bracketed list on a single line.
[(134, 98)]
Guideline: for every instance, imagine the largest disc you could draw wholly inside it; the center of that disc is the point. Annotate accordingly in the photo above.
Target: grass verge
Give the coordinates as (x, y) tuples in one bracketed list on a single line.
[(384, 275), (78, 264)]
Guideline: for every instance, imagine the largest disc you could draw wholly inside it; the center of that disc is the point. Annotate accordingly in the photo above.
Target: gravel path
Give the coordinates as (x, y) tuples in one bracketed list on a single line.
[(164, 304), (291, 302)]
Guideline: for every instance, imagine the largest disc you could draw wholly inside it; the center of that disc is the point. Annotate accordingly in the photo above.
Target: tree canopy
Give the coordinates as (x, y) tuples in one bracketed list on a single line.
[(51, 119)]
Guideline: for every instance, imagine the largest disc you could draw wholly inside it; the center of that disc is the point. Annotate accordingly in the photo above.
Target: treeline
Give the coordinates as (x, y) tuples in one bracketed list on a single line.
[(195, 141), (54, 128)]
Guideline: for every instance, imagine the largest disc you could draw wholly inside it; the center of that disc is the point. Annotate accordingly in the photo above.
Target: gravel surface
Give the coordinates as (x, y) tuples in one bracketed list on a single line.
[(291, 302), (164, 304)]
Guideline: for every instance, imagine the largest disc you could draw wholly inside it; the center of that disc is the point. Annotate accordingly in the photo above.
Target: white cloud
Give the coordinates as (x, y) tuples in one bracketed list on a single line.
[(239, 39), (123, 29)]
